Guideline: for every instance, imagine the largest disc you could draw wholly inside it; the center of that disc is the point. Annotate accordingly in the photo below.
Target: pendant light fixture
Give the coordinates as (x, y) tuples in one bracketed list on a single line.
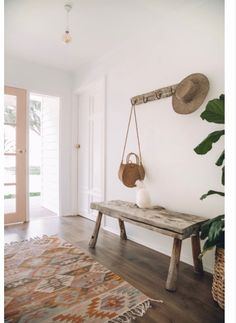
[(67, 36)]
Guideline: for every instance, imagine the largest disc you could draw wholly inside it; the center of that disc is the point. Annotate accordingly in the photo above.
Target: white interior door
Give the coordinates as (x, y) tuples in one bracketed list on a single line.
[(91, 109)]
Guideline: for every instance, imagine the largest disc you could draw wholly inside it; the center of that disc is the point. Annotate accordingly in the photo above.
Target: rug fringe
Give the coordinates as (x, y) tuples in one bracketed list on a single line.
[(137, 311), (156, 300), (44, 236)]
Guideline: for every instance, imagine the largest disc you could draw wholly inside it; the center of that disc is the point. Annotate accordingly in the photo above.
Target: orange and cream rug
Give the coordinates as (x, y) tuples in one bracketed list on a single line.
[(49, 280)]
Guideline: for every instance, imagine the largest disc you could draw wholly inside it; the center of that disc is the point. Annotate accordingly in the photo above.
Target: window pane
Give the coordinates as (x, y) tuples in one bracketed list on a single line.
[(9, 138), (9, 199), (10, 169), (10, 108)]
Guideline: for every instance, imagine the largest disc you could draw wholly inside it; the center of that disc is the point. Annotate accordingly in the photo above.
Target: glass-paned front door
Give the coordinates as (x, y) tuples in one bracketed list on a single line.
[(14, 155)]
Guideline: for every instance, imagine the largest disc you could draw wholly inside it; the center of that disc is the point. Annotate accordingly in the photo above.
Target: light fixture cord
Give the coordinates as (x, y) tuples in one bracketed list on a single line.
[(67, 20)]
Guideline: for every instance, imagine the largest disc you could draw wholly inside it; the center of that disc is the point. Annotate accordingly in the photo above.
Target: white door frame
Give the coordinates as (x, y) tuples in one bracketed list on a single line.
[(39, 93), (44, 93), (75, 133)]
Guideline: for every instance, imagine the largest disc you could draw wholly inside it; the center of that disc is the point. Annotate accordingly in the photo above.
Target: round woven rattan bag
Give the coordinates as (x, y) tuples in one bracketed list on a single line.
[(130, 172)]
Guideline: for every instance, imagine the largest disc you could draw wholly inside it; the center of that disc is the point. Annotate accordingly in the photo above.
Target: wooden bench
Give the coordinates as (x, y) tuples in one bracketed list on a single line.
[(174, 224)]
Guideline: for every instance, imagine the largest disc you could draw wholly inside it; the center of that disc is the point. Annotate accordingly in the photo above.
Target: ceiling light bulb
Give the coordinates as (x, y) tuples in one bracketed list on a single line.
[(67, 37)]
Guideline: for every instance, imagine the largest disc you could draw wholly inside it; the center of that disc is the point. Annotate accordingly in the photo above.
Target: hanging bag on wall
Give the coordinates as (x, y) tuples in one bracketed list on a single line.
[(131, 170)]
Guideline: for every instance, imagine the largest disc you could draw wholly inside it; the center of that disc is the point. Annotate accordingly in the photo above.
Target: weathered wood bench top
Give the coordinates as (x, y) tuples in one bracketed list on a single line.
[(181, 223), (175, 224)]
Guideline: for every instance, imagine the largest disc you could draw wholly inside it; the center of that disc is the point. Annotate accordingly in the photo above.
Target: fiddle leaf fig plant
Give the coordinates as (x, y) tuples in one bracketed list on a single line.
[(213, 229)]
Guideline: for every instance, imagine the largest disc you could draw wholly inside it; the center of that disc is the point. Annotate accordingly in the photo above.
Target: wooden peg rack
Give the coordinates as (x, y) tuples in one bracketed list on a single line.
[(154, 95)]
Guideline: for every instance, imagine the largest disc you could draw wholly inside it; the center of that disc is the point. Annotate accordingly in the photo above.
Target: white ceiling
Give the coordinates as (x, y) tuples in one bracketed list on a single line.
[(34, 28)]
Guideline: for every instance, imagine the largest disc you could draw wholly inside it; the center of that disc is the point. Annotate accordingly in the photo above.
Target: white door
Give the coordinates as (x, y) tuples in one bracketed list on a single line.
[(91, 110)]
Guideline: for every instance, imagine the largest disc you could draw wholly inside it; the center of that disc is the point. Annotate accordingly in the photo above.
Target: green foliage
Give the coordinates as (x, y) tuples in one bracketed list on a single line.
[(9, 196), (215, 111), (34, 170), (31, 194), (221, 159), (211, 192), (13, 196), (223, 176), (207, 143), (9, 145), (35, 116), (9, 114), (213, 230)]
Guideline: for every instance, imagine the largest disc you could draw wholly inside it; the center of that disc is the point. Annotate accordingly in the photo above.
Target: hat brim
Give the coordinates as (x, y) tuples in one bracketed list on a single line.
[(188, 107)]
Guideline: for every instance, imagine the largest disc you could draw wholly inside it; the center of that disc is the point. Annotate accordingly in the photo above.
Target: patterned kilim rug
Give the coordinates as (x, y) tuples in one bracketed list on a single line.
[(49, 280)]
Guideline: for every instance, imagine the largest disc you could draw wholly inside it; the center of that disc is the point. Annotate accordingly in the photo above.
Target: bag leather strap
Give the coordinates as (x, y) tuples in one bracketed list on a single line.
[(128, 158), (133, 110)]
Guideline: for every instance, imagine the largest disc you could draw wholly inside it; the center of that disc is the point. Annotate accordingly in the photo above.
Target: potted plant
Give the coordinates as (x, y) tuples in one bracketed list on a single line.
[(213, 229)]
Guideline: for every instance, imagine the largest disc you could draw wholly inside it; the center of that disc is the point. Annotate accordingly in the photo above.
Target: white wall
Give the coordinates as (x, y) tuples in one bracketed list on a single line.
[(186, 40), (49, 81)]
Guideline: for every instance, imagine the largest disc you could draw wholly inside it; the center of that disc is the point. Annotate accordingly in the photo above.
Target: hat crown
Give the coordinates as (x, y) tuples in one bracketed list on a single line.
[(190, 93), (187, 90)]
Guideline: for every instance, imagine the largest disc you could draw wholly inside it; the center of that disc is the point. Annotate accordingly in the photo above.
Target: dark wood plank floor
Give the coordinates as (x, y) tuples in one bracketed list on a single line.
[(142, 267)]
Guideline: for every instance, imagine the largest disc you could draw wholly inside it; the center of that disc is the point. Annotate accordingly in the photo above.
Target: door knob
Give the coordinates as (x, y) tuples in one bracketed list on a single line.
[(21, 151), (77, 146)]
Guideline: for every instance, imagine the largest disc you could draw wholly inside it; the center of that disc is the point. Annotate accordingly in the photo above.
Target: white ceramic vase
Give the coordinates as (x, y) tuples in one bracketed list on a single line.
[(143, 199)]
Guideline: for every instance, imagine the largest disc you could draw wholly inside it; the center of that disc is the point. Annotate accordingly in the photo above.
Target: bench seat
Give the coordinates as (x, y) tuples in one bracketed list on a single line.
[(174, 224)]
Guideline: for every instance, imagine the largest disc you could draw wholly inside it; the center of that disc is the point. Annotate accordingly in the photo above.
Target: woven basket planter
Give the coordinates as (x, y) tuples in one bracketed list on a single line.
[(218, 286)]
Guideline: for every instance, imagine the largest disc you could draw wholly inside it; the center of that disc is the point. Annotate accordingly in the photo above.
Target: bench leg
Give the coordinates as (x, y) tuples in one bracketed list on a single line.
[(122, 230), (196, 249), (174, 265), (93, 240)]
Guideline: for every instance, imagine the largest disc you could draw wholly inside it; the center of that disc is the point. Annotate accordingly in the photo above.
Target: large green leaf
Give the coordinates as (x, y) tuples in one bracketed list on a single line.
[(205, 227), (221, 241), (213, 230), (221, 159), (223, 176), (207, 143), (208, 245), (216, 229), (214, 111), (211, 192)]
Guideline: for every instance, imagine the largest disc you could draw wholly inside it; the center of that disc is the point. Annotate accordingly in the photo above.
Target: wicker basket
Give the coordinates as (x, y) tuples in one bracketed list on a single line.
[(218, 286)]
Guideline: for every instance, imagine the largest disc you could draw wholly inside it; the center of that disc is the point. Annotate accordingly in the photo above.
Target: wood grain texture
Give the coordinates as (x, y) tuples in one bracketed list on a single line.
[(144, 268), (184, 224), (196, 250), (174, 266), (158, 94), (93, 240), (123, 234), (151, 227)]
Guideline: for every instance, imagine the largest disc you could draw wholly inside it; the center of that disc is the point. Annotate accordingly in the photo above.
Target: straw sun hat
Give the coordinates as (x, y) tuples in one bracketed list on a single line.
[(190, 93)]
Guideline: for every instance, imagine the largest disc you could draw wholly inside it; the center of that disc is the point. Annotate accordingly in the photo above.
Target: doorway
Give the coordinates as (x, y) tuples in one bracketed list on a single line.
[(14, 155), (43, 156), (91, 147)]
